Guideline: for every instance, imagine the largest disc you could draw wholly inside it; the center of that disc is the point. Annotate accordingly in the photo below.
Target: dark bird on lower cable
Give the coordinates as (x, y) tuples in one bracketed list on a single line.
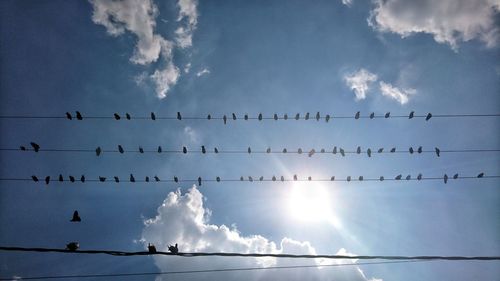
[(360, 178), (153, 116), (393, 150), (261, 178), (284, 150), (98, 151), (159, 149), (35, 146), (381, 178), (35, 178), (203, 150), (184, 150), (274, 178), (411, 150), (282, 178), (369, 152), (79, 115), (307, 116), (398, 177), (438, 152), (217, 179), (216, 150), (102, 179), (141, 150), (71, 179), (297, 116), (199, 181), (411, 115), (117, 179), (23, 148), (372, 115), (209, 117), (246, 117), (419, 150), (268, 150), (260, 117), (334, 151), (151, 248), (342, 152), (356, 116), (380, 150), (120, 149), (348, 178), (358, 150), (275, 117), (317, 116), (445, 178), (61, 178), (327, 118), (285, 116), (146, 179), (132, 179), (419, 177), (294, 177), (176, 179), (157, 178), (234, 116), (480, 175), (455, 176), (179, 117), (249, 150), (322, 150), (408, 177), (332, 178), (387, 115), (311, 152), (72, 246), (309, 178), (241, 178), (117, 117), (82, 178), (429, 116), (68, 116), (47, 179), (76, 217), (173, 249), (299, 151), (224, 118), (127, 116), (250, 178)]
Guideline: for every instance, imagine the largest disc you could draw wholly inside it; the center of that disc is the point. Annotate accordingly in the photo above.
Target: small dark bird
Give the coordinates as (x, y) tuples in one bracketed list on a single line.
[(268, 150), (380, 150), (334, 151), (341, 150), (429, 116), (117, 179), (317, 116), (71, 179), (360, 178), (159, 149), (358, 150), (282, 178), (23, 148), (224, 118), (411, 115), (408, 177), (120, 149), (98, 151), (372, 115), (47, 179), (234, 116), (480, 175), (102, 179), (369, 152), (246, 117), (132, 179), (398, 177), (35, 178), (153, 116), (216, 150), (297, 116), (260, 117), (146, 179), (184, 150), (61, 178), (68, 116), (157, 178), (179, 117), (151, 248), (217, 179), (127, 116), (176, 179), (455, 176), (141, 150), (76, 217), (411, 150), (261, 178), (437, 151), (332, 178), (322, 150), (250, 179), (173, 249), (199, 181), (72, 246), (79, 115), (387, 115), (445, 178), (35, 146), (117, 117), (82, 179), (274, 178), (327, 118), (249, 150), (275, 117), (357, 115), (203, 150), (419, 177), (348, 178), (294, 177), (381, 178), (285, 116), (311, 152), (307, 116), (209, 117), (241, 178), (419, 150), (393, 150), (299, 151), (284, 150)]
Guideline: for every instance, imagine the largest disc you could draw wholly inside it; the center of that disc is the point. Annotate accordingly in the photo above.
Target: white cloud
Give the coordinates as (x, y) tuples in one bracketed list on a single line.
[(188, 11), (400, 95), (191, 134), (203, 72), (183, 219), (187, 68), (348, 3), (360, 82), (448, 21), (164, 79)]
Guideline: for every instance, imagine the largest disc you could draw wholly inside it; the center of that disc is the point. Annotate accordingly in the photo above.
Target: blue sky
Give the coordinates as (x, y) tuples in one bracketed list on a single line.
[(251, 57)]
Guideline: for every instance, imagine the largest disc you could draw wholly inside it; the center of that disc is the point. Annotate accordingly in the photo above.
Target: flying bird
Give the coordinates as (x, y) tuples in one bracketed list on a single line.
[(429, 116), (369, 152), (445, 178), (151, 248), (76, 217), (275, 117), (419, 150), (393, 150), (311, 153), (102, 179), (47, 179), (157, 178), (411, 150), (176, 179), (387, 115), (297, 116), (79, 115), (234, 116), (357, 115), (82, 179), (480, 175), (199, 181), (120, 149), (398, 177), (419, 177), (179, 117), (159, 149), (184, 150), (380, 150), (98, 151), (307, 116), (224, 118), (173, 249), (203, 150), (68, 116), (132, 179), (317, 116), (117, 179), (437, 151), (61, 178), (411, 115), (71, 179), (35, 178), (117, 117), (153, 116), (35, 146), (342, 152), (72, 246), (358, 150), (327, 118), (141, 150), (372, 115), (127, 116), (260, 117)]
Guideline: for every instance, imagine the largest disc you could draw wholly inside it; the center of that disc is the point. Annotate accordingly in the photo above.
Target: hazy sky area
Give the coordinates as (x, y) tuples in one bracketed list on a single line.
[(250, 57)]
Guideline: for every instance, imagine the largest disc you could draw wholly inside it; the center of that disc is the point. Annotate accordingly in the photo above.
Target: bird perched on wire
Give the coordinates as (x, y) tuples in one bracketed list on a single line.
[(132, 179), (76, 217), (387, 115), (334, 151), (157, 178), (284, 150), (184, 150), (411, 115), (275, 117), (179, 117), (82, 179), (225, 119), (151, 248), (216, 150), (317, 116), (35, 146), (22, 147), (71, 179), (61, 178), (480, 175), (419, 150), (117, 117), (146, 179), (260, 117), (419, 177), (141, 150), (79, 116), (311, 152), (285, 116), (203, 150), (357, 115), (380, 150), (348, 178), (127, 116), (117, 179), (245, 117), (72, 246), (176, 179), (102, 179), (429, 116), (398, 177), (438, 152), (342, 152), (173, 249), (307, 116), (249, 150), (199, 181), (209, 117), (297, 116), (411, 150), (68, 116), (47, 179), (372, 115), (358, 150), (294, 177), (120, 149), (159, 149), (153, 116), (393, 150), (250, 179), (327, 118), (445, 178), (34, 178), (369, 152)]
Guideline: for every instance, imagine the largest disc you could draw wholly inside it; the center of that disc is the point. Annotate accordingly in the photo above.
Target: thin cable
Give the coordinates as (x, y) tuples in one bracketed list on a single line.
[(214, 270)]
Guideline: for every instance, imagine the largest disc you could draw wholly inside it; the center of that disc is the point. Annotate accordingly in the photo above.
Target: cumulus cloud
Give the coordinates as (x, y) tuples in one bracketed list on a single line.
[(165, 78), (203, 72), (360, 82), (400, 95), (448, 21), (187, 12), (183, 219)]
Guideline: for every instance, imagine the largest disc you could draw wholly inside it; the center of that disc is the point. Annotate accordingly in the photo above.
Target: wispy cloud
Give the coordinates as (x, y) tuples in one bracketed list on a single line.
[(203, 72), (189, 13), (400, 95), (448, 21), (360, 82), (347, 2)]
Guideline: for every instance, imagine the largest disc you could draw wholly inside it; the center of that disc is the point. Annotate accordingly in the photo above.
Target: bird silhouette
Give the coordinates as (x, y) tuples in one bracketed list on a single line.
[(360, 178), (159, 149), (141, 150), (179, 117), (120, 149), (146, 179), (184, 150), (35, 146), (285, 116), (317, 116), (217, 179), (327, 118), (76, 217), (294, 177), (307, 116), (127, 116), (47, 179), (341, 150), (274, 178), (249, 150), (241, 178), (332, 178), (438, 152), (419, 150), (480, 175), (309, 178), (322, 150), (23, 148), (245, 117), (68, 116), (372, 115), (132, 179), (411, 115), (72, 246), (117, 117), (203, 150), (348, 178), (268, 150), (445, 178), (411, 150), (284, 150), (151, 248), (234, 116), (71, 179), (224, 118), (356, 116), (153, 116), (369, 152), (34, 178), (393, 150), (61, 178), (419, 177), (199, 181), (79, 115), (82, 178), (381, 178), (102, 179), (176, 179), (173, 249), (297, 116), (455, 176), (398, 177), (98, 151), (157, 178), (380, 150), (311, 152), (250, 178), (216, 150), (429, 116), (275, 117), (117, 179), (260, 117), (334, 151), (261, 178), (387, 115), (299, 151), (282, 178), (209, 117), (358, 150), (408, 177)]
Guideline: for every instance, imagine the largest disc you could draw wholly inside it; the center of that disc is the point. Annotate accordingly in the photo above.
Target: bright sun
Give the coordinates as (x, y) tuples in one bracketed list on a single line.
[(310, 202)]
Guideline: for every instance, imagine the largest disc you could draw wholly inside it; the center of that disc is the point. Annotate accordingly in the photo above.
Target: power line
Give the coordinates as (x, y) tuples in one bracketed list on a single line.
[(175, 179), (214, 270)]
